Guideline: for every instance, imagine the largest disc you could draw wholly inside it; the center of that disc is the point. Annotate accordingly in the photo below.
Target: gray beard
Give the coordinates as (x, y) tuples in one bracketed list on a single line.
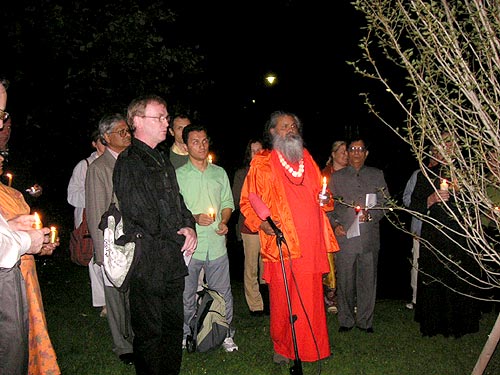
[(291, 146)]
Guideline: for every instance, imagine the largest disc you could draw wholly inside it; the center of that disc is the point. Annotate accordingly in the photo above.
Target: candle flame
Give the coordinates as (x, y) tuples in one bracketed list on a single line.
[(210, 158), (9, 176), (38, 222), (211, 213)]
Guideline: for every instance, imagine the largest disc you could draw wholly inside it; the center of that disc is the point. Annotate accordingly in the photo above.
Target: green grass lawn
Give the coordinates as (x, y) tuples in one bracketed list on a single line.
[(83, 343)]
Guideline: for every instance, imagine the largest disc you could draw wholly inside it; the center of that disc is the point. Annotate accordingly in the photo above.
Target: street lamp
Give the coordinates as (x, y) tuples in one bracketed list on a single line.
[(270, 79)]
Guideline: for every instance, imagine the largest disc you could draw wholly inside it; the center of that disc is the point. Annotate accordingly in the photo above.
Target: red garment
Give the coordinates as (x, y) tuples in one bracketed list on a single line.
[(293, 202)]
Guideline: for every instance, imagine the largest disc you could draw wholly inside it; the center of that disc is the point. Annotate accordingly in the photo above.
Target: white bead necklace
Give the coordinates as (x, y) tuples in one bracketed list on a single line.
[(287, 166)]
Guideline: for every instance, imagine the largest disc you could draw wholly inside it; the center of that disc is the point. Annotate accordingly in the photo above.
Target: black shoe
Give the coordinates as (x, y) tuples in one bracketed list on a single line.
[(367, 330), (127, 358), (344, 329), (257, 313)]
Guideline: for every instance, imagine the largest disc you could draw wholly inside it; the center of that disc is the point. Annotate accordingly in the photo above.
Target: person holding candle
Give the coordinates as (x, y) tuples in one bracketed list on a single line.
[(288, 181), (42, 357), (336, 161), (256, 293), (150, 203), (442, 305), (114, 135), (358, 233), (204, 185)]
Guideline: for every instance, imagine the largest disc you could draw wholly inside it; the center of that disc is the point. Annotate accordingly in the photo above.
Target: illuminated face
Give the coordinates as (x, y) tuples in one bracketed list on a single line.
[(176, 129), (340, 156), (357, 153), (285, 125), (118, 139), (198, 145), (255, 148)]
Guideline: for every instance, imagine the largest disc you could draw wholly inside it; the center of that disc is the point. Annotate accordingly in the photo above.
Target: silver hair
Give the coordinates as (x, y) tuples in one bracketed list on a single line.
[(107, 123)]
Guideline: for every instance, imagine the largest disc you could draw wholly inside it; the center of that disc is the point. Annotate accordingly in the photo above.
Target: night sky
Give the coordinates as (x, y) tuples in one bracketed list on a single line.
[(305, 43)]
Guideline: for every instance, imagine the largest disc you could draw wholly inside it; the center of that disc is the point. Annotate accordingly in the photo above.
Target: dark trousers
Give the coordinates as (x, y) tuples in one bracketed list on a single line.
[(157, 316)]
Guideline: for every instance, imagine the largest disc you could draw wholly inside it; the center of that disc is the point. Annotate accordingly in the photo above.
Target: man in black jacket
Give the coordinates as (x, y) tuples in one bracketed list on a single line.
[(150, 202)]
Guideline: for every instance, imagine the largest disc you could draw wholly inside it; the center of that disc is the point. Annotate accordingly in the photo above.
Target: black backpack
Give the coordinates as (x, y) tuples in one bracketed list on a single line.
[(209, 327)]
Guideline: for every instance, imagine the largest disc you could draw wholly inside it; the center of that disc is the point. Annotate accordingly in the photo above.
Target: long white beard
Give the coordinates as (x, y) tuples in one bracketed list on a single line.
[(291, 146)]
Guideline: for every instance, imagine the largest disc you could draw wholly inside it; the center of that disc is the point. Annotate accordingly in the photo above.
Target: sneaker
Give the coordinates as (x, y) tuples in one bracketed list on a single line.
[(184, 344), (409, 306), (229, 345)]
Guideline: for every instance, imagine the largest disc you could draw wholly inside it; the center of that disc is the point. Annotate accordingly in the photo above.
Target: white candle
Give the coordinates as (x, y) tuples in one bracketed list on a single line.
[(443, 185), (323, 191), (9, 176)]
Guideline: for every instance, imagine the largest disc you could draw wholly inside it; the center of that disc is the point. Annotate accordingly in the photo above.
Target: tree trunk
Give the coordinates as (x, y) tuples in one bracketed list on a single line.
[(488, 349)]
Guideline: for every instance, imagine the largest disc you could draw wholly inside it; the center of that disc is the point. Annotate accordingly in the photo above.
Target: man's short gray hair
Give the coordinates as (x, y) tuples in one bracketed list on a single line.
[(107, 123)]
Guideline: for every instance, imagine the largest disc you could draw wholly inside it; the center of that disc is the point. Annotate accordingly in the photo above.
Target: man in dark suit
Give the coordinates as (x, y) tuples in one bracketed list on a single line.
[(357, 189)]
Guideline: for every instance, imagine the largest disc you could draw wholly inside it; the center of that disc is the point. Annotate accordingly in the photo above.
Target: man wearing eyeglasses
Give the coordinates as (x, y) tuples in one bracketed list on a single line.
[(359, 191), (115, 135), (149, 200)]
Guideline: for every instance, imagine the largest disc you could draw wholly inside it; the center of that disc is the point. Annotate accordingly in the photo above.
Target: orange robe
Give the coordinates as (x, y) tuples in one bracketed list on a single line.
[(42, 357), (293, 203)]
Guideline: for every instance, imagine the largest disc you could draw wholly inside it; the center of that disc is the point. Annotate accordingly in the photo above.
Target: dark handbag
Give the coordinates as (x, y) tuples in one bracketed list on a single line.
[(81, 248), (121, 251)]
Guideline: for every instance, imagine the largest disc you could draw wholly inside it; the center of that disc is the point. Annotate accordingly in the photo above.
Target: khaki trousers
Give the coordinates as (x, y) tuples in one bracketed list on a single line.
[(253, 269)]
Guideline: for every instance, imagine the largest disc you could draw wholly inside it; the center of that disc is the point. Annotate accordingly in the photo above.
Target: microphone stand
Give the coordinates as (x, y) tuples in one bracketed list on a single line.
[(296, 369)]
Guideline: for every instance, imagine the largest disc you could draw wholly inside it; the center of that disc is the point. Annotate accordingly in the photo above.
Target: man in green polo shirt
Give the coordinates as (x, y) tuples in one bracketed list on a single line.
[(207, 193)]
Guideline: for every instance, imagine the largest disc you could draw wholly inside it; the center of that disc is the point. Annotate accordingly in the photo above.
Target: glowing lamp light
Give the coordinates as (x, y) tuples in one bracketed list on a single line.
[(357, 209)]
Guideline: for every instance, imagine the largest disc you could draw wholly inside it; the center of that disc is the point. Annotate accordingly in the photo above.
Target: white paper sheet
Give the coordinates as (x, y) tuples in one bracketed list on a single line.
[(354, 228)]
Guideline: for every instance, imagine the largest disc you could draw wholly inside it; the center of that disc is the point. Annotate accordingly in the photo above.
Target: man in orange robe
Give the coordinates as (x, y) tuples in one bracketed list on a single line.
[(288, 181)]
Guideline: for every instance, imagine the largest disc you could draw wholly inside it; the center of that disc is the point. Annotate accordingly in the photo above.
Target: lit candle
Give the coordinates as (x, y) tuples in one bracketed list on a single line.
[(53, 234), (210, 158), (9, 176), (443, 185), (38, 223), (211, 213), (323, 191)]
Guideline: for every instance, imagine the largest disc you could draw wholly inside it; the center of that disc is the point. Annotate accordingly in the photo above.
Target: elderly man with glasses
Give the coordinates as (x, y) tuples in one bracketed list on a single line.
[(360, 191)]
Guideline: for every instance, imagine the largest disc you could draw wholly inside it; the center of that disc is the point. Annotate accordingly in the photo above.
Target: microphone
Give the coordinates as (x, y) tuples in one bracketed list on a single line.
[(263, 212)]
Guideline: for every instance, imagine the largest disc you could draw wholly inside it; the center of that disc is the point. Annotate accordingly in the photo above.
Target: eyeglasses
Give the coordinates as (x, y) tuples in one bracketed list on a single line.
[(122, 133), (4, 115), (167, 118), (291, 126), (357, 149)]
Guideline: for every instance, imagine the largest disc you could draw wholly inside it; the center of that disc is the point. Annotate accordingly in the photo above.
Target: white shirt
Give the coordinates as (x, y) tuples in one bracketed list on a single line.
[(76, 187), (13, 244)]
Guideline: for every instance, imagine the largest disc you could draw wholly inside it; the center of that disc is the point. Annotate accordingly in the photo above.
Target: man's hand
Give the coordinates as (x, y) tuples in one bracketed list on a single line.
[(223, 229), (191, 240), (203, 219), (22, 222)]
